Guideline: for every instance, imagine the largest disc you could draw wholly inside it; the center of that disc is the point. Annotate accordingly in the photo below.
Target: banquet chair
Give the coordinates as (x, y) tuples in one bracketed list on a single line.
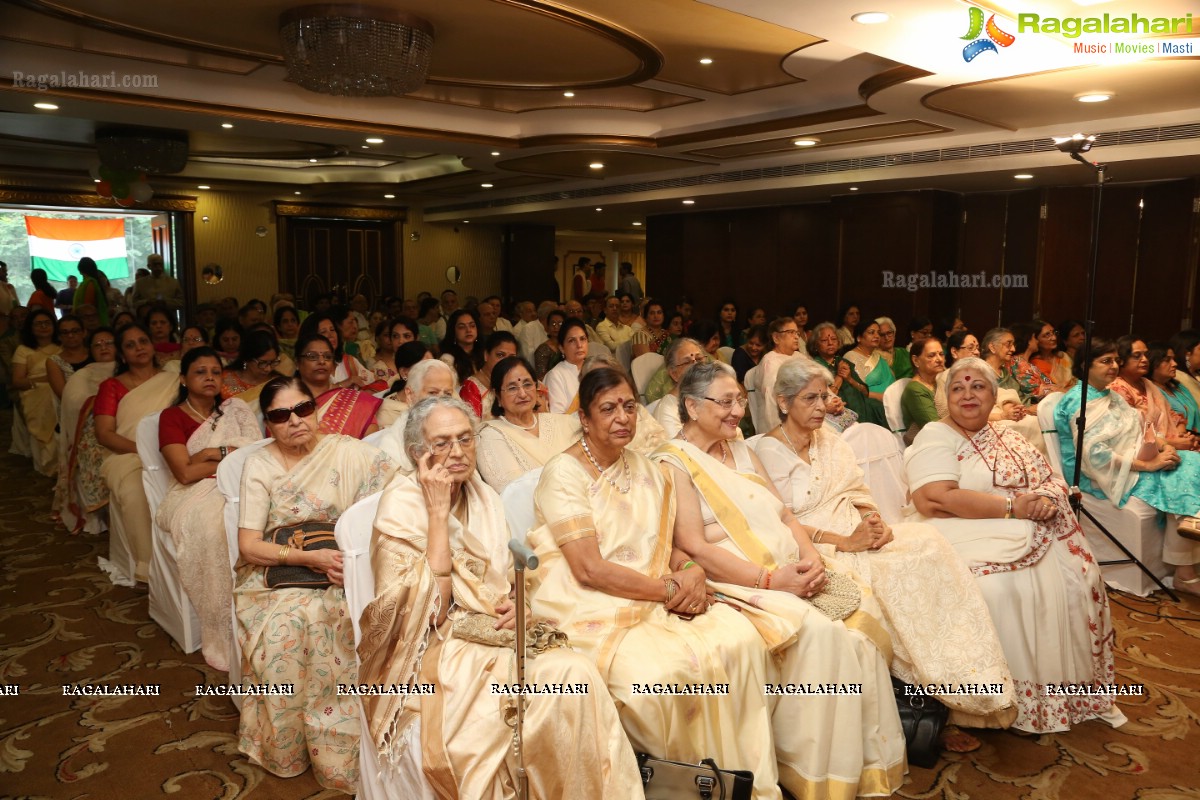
[(892, 410), (169, 603), (725, 354), (405, 781), (517, 498), (879, 457), (229, 484), (374, 438), (642, 369), (624, 354), (1135, 525), (757, 402)]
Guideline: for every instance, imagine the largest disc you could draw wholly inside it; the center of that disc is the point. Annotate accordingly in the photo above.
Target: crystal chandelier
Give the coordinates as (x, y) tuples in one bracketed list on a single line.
[(355, 51)]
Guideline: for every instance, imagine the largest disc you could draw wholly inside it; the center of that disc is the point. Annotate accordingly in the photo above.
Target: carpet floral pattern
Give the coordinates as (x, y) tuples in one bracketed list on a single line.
[(63, 622)]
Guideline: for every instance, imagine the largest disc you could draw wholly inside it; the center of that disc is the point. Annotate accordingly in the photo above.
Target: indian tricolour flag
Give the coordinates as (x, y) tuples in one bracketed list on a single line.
[(56, 245)]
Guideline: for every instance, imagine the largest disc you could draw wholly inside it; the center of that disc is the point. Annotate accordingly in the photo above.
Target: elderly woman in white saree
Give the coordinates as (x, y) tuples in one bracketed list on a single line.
[(942, 633), (994, 497), (442, 615), (519, 439), (292, 634), (605, 523), (731, 521), (194, 435)]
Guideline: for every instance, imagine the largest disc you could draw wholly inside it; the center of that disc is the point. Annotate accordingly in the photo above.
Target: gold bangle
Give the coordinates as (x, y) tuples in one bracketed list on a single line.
[(437, 574), (758, 581), (283, 554), (672, 587), (817, 536)]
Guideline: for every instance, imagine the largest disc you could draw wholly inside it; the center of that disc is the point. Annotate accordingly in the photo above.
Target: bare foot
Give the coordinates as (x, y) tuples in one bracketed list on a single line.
[(956, 740)]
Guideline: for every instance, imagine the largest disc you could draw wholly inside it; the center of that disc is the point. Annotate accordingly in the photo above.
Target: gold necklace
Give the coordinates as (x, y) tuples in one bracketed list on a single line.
[(786, 438)]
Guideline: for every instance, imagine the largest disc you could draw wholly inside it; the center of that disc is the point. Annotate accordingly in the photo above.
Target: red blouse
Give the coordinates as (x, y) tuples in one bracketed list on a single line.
[(108, 397), (175, 426)]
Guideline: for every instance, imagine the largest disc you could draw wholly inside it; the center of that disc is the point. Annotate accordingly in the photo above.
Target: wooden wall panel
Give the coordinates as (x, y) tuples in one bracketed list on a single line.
[(1021, 240), (1164, 260), (530, 264), (807, 263), (878, 235), (248, 260), (475, 249), (981, 250)]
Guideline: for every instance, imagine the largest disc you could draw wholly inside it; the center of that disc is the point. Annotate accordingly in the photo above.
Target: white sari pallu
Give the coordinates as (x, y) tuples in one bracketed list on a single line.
[(192, 515)]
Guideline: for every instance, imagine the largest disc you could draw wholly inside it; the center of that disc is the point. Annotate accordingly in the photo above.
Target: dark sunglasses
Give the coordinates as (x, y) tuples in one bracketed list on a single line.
[(278, 416)]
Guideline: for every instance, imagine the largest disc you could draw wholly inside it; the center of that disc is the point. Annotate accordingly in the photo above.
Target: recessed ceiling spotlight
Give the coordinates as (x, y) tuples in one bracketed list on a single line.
[(706, 61), (226, 125), (465, 221), (487, 185), (1093, 97), (295, 193), (637, 223), (495, 152), (95, 180), (689, 202), (365, 146), (854, 188), (46, 106), (1024, 176), (596, 165), (599, 209), (870, 17), (808, 142), (610, 240), (202, 186), (568, 94), (374, 140), (312, 161), (389, 197)]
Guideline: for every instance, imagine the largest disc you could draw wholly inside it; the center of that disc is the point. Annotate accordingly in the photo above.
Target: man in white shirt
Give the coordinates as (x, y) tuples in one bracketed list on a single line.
[(526, 314), (157, 287), (449, 306), (536, 332), (502, 324), (611, 330)]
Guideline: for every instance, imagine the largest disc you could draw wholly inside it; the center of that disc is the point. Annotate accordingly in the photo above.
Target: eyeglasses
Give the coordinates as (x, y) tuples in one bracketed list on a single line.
[(263, 364), (193, 340), (792, 331), (1108, 362), (887, 334), (727, 402), (465, 442), (43, 323), (278, 416), (104, 343), (516, 388), (317, 358), (809, 399), (70, 331), (687, 361)]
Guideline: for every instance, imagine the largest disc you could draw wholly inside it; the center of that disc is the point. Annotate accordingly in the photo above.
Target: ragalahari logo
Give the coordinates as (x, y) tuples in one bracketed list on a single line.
[(984, 38)]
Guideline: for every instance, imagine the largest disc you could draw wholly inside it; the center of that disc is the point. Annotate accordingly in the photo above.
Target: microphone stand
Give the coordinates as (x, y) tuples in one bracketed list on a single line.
[(1086, 355)]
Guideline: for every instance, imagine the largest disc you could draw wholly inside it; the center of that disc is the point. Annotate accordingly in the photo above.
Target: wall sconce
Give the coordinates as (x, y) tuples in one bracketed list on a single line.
[(204, 218)]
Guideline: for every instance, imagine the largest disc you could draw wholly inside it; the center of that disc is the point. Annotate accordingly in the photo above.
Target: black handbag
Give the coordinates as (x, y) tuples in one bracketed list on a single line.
[(306, 536), (674, 780), (922, 718)]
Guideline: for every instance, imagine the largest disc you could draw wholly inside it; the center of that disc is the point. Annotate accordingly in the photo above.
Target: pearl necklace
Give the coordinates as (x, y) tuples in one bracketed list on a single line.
[(587, 451), (522, 427), (199, 416)]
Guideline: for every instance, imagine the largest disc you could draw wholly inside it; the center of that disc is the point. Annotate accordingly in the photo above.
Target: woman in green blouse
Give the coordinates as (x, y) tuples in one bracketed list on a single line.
[(916, 402)]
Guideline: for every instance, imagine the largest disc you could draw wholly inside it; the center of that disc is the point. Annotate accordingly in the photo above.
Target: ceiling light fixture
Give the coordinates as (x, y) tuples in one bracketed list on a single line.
[(487, 185), (1094, 97), (854, 188), (689, 202), (596, 165), (1024, 176), (495, 152), (203, 186), (807, 142), (706, 61), (295, 193), (599, 209), (389, 197), (374, 140), (355, 51), (46, 106), (312, 161), (637, 224), (226, 125), (568, 94), (871, 17)]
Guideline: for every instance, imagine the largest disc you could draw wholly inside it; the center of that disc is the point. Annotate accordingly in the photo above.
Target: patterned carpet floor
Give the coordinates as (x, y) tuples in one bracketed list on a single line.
[(63, 622)]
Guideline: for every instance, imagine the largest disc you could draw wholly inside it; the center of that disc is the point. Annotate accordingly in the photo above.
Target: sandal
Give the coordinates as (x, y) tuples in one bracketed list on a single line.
[(1188, 586), (956, 740)]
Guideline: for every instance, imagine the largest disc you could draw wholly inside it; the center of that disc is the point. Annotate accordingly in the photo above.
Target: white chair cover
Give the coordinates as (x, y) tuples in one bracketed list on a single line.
[(624, 354), (725, 354), (758, 407), (374, 438), (879, 457), (169, 603), (643, 368), (597, 349), (517, 498), (229, 484), (892, 410), (1135, 525), (406, 781)]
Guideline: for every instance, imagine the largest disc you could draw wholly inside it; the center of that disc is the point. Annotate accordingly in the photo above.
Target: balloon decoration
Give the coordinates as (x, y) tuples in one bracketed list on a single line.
[(125, 187)]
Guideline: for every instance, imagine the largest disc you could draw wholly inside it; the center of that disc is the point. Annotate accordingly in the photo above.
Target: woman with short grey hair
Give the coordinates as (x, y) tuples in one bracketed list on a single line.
[(798, 374)]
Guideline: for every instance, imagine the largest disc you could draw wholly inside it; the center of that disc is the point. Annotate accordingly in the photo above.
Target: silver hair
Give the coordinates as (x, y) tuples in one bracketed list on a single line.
[(696, 382), (985, 369), (794, 375), (545, 308), (990, 338), (673, 349), (815, 334), (420, 371), (414, 427), (888, 320), (596, 362)]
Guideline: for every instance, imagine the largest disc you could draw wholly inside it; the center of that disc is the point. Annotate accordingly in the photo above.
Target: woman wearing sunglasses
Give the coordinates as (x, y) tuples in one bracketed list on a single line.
[(256, 364), (299, 632), (194, 435), (343, 410)]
